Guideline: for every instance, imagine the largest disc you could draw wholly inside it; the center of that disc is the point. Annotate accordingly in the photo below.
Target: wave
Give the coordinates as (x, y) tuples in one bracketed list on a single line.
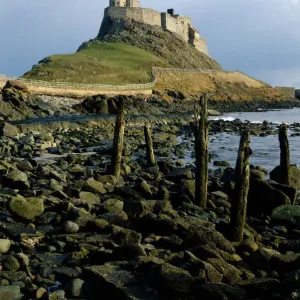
[(230, 119)]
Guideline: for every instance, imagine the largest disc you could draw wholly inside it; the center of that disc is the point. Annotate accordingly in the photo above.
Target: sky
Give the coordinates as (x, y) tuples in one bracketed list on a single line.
[(258, 37)]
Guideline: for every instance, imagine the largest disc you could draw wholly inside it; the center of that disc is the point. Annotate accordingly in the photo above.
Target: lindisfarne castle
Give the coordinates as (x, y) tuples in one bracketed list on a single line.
[(120, 12)]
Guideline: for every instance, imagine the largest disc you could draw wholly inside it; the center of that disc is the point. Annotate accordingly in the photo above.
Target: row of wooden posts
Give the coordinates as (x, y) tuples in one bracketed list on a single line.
[(242, 168)]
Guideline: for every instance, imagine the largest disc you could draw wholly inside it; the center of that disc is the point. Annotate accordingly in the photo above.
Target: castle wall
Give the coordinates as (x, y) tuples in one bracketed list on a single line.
[(143, 15), (176, 24), (115, 18)]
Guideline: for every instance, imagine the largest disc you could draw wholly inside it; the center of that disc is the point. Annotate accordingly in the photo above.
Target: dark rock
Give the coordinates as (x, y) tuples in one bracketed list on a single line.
[(261, 286), (113, 282), (125, 236), (178, 174), (16, 179), (8, 130), (200, 235), (276, 175), (263, 198), (173, 281), (286, 215), (220, 291)]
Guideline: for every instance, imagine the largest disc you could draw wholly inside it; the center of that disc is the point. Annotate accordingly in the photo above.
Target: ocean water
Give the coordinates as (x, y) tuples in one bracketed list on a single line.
[(266, 151)]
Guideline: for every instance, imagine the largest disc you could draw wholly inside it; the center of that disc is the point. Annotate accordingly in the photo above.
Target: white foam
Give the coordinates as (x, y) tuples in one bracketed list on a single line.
[(223, 119)]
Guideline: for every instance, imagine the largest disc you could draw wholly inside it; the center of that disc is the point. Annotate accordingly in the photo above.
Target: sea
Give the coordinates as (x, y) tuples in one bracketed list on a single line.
[(266, 151)]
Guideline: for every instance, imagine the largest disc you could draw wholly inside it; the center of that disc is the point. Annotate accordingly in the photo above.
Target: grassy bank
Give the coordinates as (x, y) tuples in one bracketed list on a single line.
[(102, 63)]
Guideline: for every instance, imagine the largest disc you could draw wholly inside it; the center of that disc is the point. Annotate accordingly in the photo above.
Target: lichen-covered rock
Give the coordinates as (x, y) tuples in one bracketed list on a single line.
[(286, 215), (200, 235), (28, 208), (11, 292), (17, 180), (171, 280), (94, 186), (4, 245)]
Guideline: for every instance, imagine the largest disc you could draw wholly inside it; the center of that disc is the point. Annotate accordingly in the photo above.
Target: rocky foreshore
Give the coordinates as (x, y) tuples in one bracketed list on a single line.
[(71, 230)]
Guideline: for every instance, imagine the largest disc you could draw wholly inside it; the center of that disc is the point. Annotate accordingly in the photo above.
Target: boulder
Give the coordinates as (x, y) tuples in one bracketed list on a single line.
[(276, 175), (171, 280), (220, 291), (125, 236), (263, 198), (178, 174), (288, 215), (231, 275), (8, 130), (16, 84), (11, 292), (200, 235), (10, 263), (26, 209), (264, 287), (4, 245), (17, 180), (93, 186), (203, 271), (114, 282), (70, 227), (188, 187), (290, 283), (112, 205), (287, 190), (77, 288)]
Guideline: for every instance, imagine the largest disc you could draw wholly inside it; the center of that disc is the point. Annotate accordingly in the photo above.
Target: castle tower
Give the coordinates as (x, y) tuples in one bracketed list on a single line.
[(124, 3), (133, 3), (120, 3)]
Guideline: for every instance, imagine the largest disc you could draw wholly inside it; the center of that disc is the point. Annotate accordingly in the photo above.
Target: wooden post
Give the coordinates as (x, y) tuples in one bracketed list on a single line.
[(149, 145), (239, 201), (201, 153), (118, 140), (284, 154)]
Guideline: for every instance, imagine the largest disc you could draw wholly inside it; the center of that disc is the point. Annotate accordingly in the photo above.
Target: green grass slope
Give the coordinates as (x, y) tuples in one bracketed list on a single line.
[(103, 63), (122, 58)]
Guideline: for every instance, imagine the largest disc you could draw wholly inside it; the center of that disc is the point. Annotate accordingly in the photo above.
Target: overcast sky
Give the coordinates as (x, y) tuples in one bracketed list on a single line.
[(259, 37)]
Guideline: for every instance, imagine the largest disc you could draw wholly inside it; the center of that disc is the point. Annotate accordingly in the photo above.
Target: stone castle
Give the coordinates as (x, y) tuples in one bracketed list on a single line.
[(121, 11)]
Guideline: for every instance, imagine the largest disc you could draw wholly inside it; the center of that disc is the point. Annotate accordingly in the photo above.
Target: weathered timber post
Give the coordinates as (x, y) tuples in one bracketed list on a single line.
[(241, 189), (284, 154), (149, 145), (201, 153), (118, 140)]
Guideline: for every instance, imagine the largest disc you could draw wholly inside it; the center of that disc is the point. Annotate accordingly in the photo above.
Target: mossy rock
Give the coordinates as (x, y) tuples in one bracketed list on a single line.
[(16, 179), (28, 208)]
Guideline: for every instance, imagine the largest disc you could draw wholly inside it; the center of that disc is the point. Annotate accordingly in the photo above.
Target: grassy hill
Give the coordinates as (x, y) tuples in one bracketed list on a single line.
[(103, 63), (126, 57)]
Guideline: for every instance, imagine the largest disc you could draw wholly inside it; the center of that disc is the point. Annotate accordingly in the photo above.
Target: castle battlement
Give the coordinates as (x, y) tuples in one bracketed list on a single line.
[(121, 11)]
